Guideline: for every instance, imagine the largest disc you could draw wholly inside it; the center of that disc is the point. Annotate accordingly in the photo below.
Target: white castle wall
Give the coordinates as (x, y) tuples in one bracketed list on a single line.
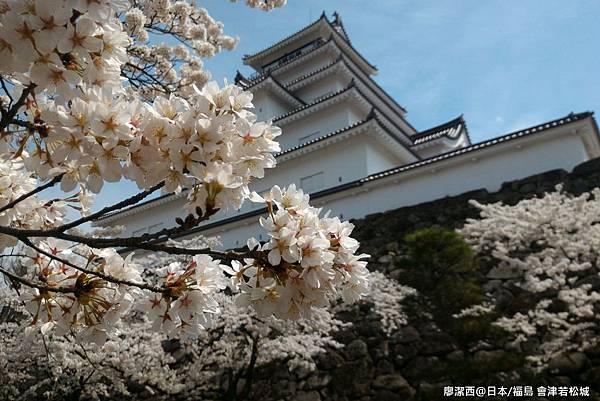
[(266, 105), (488, 169), (320, 123)]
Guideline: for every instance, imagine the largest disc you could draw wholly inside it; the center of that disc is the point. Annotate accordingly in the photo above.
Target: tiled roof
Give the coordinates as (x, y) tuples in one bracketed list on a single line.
[(332, 95), (240, 79), (262, 75), (342, 35), (313, 72), (309, 105), (326, 136), (481, 145), (450, 129)]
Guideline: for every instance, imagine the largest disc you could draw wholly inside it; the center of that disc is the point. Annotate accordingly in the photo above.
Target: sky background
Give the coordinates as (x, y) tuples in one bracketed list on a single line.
[(504, 64)]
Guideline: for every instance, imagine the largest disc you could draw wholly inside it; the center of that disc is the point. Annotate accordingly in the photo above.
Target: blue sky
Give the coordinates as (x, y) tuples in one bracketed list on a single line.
[(504, 64)]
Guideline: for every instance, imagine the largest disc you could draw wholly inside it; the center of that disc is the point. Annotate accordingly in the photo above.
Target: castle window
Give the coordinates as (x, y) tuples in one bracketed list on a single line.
[(312, 182)]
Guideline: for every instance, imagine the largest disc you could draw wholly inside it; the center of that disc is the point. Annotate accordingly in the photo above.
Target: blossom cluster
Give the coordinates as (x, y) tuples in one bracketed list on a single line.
[(141, 361), (309, 259), (189, 305), (92, 130), (15, 181), (553, 241), (92, 306), (176, 68), (264, 4)]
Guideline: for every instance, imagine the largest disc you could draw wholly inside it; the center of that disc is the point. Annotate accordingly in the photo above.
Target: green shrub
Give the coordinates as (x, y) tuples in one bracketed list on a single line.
[(444, 270)]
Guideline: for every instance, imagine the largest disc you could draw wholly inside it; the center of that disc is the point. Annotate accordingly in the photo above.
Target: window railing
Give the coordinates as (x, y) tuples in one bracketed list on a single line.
[(287, 58)]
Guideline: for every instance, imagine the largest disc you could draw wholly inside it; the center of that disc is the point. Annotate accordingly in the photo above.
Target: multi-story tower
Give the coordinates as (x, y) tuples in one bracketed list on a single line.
[(347, 142)]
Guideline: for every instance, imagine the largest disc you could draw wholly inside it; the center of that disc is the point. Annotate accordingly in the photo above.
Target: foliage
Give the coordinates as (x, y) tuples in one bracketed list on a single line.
[(443, 270)]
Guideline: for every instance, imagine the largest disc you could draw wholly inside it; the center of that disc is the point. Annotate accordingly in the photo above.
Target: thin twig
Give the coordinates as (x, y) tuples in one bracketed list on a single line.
[(12, 112), (32, 284), (117, 206), (29, 194), (101, 275)]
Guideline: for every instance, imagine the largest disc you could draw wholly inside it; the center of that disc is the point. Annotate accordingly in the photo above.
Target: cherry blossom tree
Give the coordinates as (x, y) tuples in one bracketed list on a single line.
[(90, 96), (552, 242), (219, 363)]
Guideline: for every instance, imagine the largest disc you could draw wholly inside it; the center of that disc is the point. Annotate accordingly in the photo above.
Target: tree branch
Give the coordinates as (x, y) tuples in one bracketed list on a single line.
[(29, 194), (9, 115), (101, 275), (117, 206), (31, 284)]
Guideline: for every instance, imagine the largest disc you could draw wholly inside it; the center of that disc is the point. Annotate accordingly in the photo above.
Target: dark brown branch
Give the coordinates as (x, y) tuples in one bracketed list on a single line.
[(101, 275), (145, 241), (8, 116), (3, 81), (117, 206), (131, 242), (151, 77), (32, 284), (29, 194)]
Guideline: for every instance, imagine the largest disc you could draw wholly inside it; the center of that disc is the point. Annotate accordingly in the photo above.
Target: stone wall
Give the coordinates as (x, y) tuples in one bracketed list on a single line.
[(372, 366)]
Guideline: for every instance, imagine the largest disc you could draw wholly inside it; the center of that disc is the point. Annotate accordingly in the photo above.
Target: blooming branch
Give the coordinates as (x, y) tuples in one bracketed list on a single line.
[(90, 98)]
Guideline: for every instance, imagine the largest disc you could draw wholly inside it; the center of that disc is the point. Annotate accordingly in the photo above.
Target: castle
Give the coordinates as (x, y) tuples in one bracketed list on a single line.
[(348, 144)]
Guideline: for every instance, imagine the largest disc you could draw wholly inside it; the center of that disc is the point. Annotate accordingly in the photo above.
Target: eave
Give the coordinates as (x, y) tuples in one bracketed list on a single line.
[(450, 134), (250, 59), (352, 71), (317, 105), (524, 133), (326, 45), (350, 92), (371, 126), (272, 85)]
